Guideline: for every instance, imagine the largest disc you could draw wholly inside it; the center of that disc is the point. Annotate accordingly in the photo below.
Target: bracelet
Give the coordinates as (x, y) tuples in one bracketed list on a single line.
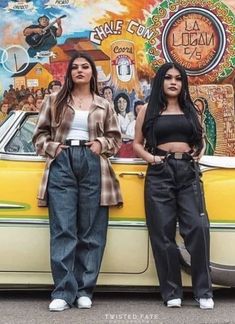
[(156, 162)]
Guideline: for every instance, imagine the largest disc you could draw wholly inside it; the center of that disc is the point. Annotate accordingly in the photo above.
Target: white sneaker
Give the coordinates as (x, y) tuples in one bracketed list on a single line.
[(174, 302), (206, 303), (84, 302), (58, 305)]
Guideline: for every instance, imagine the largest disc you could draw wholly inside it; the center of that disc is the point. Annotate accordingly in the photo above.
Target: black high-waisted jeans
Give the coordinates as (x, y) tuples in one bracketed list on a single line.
[(171, 195)]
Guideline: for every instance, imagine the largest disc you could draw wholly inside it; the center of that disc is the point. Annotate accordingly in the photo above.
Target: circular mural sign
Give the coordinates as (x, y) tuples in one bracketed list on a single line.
[(195, 38), (14, 59), (198, 35)]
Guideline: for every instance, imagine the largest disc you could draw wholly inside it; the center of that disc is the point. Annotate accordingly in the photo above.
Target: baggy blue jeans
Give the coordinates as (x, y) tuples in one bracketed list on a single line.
[(78, 224), (171, 196)]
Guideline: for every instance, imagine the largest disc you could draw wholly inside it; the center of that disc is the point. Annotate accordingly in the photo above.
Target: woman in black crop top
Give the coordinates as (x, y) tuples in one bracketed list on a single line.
[(169, 137)]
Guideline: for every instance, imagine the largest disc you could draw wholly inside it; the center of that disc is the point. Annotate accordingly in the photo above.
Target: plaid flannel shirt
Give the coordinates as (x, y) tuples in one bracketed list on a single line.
[(102, 126)]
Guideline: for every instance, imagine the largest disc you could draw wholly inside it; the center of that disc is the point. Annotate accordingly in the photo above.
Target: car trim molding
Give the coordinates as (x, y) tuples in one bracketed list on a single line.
[(26, 221), (118, 223), (11, 206)]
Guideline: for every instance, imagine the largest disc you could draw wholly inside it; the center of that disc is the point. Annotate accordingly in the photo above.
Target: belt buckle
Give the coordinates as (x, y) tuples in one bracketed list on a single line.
[(75, 142), (178, 156)]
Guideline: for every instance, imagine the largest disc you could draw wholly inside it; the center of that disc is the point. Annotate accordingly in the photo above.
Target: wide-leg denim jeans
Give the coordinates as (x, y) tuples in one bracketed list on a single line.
[(78, 224), (171, 195)]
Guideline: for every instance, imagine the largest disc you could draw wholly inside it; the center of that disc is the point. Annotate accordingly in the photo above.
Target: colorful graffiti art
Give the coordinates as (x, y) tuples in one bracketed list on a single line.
[(128, 40)]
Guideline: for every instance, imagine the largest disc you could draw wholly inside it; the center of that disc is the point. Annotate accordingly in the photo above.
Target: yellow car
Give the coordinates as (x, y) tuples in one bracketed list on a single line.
[(24, 232)]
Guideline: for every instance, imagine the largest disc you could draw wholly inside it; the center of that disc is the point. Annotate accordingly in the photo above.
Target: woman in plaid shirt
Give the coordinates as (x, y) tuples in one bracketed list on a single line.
[(77, 131)]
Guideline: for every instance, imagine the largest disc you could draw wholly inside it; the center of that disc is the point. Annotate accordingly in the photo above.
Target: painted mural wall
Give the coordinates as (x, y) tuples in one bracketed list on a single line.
[(129, 40)]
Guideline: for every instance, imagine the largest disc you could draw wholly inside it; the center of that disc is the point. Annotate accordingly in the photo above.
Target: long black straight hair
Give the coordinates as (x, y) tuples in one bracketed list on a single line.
[(67, 88), (158, 103)]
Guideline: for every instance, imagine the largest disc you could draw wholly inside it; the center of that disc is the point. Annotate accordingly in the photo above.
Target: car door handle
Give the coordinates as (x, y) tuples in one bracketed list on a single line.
[(138, 174)]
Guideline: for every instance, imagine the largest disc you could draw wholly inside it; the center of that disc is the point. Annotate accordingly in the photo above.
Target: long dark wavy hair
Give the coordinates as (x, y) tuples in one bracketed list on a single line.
[(67, 88), (158, 103)]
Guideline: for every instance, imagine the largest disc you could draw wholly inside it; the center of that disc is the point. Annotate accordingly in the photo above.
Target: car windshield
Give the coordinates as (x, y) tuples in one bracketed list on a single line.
[(4, 126), (21, 142)]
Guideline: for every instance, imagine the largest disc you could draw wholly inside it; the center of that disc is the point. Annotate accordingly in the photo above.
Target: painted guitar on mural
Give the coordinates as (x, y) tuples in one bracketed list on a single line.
[(36, 40)]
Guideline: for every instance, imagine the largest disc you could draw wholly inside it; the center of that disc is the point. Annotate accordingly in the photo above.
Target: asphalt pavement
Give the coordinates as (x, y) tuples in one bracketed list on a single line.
[(115, 308)]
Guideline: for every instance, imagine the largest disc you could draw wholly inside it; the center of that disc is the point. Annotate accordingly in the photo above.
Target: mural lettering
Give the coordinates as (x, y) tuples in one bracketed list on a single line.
[(138, 29), (115, 28), (102, 32)]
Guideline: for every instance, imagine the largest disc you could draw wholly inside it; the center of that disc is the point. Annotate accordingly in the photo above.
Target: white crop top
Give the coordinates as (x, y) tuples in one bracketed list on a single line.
[(79, 127)]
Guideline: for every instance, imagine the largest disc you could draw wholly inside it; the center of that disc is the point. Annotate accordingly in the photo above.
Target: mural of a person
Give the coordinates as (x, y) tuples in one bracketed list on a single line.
[(107, 92), (4, 107), (209, 124), (138, 105), (125, 117), (42, 37), (54, 86), (122, 108)]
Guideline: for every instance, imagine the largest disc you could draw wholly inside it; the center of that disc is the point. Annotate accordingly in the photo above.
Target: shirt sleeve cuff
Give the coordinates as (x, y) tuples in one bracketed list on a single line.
[(51, 148), (103, 143)]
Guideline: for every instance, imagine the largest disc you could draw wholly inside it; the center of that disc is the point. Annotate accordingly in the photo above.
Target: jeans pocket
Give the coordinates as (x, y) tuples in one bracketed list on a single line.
[(159, 167), (195, 167), (92, 154), (60, 153)]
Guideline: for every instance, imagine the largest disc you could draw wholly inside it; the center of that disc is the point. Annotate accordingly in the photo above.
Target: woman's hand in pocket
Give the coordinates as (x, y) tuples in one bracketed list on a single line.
[(60, 149), (95, 147)]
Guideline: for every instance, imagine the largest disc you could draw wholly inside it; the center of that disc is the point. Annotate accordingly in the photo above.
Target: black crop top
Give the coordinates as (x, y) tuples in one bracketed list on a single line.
[(173, 128)]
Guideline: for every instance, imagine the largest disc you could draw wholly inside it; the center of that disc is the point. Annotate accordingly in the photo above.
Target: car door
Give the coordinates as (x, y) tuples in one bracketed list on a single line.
[(24, 234), (24, 238), (128, 246)]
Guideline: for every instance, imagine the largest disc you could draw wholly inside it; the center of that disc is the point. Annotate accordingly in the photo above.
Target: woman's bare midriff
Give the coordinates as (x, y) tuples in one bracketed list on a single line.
[(180, 147)]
